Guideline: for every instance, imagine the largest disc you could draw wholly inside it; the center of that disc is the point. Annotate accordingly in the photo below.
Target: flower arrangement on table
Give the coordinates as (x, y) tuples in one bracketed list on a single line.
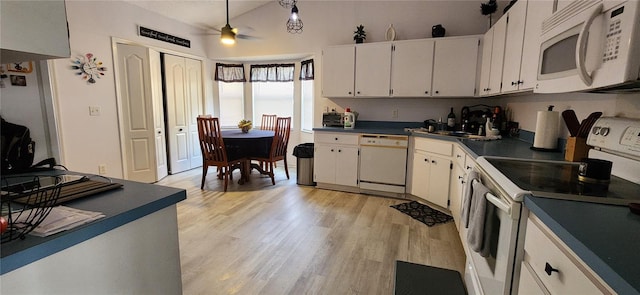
[(245, 125)]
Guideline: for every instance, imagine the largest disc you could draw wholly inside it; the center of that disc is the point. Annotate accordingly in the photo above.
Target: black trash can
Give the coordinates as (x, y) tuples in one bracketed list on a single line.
[(304, 163)]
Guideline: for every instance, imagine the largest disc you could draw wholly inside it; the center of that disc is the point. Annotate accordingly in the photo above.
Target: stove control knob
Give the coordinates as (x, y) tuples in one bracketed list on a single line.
[(604, 131), (595, 130)]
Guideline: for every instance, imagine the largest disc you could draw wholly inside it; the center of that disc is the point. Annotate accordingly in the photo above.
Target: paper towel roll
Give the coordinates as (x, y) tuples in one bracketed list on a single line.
[(546, 136)]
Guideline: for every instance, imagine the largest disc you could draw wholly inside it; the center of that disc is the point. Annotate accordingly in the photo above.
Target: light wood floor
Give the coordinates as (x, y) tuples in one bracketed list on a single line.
[(258, 238)]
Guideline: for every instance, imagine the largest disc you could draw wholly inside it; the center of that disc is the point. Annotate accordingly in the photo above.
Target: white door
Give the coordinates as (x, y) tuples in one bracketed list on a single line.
[(162, 166), (138, 132), (177, 113), (194, 100)]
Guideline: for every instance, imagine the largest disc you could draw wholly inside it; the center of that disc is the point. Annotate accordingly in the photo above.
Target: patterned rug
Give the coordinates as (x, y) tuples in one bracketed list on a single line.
[(423, 213)]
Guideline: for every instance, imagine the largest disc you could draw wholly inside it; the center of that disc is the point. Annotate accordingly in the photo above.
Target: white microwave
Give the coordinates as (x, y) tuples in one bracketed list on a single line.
[(590, 45)]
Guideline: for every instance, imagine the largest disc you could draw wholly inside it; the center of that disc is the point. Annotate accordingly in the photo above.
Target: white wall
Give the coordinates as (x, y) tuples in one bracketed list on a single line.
[(88, 141)]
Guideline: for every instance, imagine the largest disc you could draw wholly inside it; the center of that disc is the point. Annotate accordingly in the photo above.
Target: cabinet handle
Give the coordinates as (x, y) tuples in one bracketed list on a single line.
[(159, 132), (358, 92), (514, 83), (549, 269), (426, 160), (460, 177), (336, 138), (468, 167), (426, 92), (349, 92), (437, 91), (433, 161), (458, 156), (332, 150), (520, 82), (339, 151)]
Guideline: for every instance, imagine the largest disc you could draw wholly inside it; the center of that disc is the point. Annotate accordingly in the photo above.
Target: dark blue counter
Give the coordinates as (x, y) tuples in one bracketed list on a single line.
[(605, 237), (121, 206)]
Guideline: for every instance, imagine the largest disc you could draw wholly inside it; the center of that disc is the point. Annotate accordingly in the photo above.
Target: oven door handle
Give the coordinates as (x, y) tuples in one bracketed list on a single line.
[(498, 203)]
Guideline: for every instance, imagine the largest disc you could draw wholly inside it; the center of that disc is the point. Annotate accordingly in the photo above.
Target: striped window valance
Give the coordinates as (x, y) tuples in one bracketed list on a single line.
[(230, 72), (306, 69), (272, 73)]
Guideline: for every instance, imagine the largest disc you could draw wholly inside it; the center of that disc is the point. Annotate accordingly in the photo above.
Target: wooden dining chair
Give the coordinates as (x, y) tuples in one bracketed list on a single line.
[(214, 152), (278, 150), (268, 122)]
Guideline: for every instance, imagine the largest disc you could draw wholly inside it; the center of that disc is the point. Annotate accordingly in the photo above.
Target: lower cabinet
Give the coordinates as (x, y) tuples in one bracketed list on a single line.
[(431, 171), (550, 267), (335, 159)]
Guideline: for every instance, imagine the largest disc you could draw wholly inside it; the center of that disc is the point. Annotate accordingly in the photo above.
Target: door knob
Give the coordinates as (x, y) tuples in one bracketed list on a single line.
[(180, 129)]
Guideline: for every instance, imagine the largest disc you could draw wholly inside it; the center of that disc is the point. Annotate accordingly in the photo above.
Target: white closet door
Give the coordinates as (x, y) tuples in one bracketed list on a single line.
[(162, 166), (194, 98), (137, 112), (177, 113)]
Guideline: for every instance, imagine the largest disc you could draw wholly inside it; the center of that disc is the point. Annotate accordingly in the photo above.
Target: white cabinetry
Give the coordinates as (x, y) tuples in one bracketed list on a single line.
[(412, 68), (33, 30), (455, 64), (402, 69), (338, 72), (550, 267), (431, 170), (493, 58), (336, 160), (373, 69), (522, 46)]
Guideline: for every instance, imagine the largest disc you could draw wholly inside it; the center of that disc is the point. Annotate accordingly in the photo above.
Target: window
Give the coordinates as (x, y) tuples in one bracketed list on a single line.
[(272, 98), (231, 103), (306, 105), (306, 97)]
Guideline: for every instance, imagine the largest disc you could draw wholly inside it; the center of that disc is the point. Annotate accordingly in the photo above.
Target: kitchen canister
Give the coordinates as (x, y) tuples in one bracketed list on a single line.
[(546, 136)]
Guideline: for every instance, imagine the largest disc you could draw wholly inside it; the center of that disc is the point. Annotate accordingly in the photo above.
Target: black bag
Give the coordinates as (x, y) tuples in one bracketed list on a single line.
[(17, 148)]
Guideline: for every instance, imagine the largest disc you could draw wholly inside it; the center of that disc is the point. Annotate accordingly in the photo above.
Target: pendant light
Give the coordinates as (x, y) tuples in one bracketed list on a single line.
[(287, 3), (294, 24), (227, 34)]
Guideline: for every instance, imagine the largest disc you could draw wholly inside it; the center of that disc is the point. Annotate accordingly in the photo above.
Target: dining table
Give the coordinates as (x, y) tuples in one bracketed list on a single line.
[(252, 144)]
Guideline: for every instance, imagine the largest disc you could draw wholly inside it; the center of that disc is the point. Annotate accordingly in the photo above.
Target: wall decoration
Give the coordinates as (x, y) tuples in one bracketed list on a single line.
[(2, 76), (88, 67), (20, 67), (153, 34), (18, 80)]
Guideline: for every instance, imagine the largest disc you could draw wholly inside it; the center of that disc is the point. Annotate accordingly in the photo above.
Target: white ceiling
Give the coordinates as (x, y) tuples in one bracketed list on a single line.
[(205, 14)]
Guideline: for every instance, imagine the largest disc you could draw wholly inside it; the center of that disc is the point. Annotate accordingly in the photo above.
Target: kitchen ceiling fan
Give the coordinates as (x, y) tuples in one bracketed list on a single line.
[(229, 34)]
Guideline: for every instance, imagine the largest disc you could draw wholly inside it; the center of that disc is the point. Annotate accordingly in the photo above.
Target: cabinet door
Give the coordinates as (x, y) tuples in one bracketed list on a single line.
[(439, 177), (454, 67), (485, 70), (455, 193), (346, 165), (412, 68), (373, 69), (338, 71), (420, 175), (537, 11), (513, 47), (497, 56), (528, 284), (324, 163)]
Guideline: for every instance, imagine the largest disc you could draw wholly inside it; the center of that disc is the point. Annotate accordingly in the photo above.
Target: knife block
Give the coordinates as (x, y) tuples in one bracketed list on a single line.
[(576, 149)]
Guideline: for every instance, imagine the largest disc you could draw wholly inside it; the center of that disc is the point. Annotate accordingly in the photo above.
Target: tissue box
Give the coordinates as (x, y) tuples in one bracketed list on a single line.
[(576, 149)]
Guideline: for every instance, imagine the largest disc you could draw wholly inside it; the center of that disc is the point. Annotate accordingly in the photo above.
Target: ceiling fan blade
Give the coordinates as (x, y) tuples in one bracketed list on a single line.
[(247, 37)]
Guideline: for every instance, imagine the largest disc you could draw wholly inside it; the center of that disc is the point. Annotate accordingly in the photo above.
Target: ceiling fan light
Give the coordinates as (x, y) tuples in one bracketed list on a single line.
[(227, 36), (287, 3)]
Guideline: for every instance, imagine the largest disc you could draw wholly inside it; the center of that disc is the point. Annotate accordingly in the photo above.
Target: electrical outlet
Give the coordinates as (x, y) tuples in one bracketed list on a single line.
[(94, 111), (102, 169), (394, 114)]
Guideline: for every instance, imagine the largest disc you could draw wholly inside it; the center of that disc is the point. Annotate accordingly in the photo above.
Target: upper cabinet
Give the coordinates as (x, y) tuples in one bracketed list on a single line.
[(402, 69), (511, 50), (522, 46), (455, 64), (33, 30), (493, 58), (338, 71), (373, 69), (412, 68)]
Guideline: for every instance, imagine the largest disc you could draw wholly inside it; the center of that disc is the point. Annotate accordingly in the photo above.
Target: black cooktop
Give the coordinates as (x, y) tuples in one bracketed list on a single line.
[(560, 180)]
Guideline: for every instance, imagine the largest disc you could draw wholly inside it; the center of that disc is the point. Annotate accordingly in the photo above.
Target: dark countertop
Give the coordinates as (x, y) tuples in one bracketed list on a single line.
[(121, 206), (605, 237)]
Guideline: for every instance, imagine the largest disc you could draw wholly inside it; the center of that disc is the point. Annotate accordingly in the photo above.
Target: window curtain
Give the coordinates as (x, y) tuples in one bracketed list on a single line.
[(306, 69), (272, 73), (230, 72)]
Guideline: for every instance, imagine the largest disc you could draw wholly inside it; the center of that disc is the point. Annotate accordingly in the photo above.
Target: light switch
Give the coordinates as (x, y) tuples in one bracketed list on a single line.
[(94, 111)]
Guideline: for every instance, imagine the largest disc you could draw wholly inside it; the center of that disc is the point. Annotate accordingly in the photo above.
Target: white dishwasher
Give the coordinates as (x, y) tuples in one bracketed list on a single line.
[(383, 163)]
